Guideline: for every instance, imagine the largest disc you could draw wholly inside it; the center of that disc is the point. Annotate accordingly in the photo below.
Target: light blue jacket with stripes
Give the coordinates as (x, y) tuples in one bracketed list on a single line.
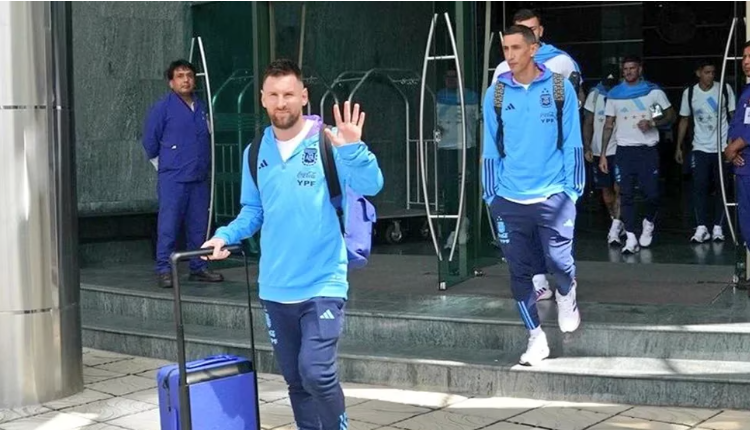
[(533, 166)]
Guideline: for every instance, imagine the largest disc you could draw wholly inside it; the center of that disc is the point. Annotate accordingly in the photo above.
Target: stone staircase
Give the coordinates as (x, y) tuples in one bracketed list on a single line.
[(690, 356)]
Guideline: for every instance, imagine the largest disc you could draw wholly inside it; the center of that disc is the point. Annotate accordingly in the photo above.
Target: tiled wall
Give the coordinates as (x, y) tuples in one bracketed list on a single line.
[(120, 51)]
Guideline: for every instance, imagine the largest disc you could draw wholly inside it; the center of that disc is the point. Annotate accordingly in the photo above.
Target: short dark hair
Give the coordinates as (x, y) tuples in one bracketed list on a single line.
[(178, 64), (526, 14), (704, 63), (528, 35), (746, 45), (632, 59), (282, 67)]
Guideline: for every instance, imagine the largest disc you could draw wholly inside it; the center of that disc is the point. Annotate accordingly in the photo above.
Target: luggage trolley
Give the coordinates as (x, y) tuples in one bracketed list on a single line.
[(400, 201), (234, 126), (316, 86)]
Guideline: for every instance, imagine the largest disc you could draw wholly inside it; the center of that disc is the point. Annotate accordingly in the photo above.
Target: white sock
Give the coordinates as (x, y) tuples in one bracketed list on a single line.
[(536, 332)]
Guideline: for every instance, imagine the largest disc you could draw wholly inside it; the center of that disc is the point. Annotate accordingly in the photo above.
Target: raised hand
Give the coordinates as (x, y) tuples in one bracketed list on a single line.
[(348, 130)]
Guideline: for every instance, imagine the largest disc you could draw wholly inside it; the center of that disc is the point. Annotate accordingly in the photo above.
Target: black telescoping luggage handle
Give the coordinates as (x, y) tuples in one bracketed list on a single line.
[(185, 418)]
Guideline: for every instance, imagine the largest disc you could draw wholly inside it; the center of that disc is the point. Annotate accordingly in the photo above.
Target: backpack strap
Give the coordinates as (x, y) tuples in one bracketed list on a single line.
[(252, 161), (332, 175), (575, 79), (558, 89), (724, 96), (499, 93), (688, 142)]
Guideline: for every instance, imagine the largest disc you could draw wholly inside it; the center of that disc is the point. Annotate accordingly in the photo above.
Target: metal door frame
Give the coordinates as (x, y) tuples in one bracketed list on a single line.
[(421, 142), (209, 102)]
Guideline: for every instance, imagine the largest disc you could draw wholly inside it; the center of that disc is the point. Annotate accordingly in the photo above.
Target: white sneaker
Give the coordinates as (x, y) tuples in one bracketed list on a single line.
[(536, 351), (701, 234), (616, 230), (541, 288), (647, 236), (718, 234), (568, 316), (631, 244)]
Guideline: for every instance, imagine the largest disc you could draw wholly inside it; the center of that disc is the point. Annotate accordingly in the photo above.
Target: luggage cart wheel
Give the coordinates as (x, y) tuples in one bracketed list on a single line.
[(393, 233)]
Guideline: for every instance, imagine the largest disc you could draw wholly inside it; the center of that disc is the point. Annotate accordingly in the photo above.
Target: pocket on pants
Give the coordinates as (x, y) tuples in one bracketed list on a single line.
[(560, 215), (330, 317)]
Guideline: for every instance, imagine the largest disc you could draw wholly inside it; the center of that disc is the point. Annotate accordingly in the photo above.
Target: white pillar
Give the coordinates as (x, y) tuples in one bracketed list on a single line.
[(40, 332)]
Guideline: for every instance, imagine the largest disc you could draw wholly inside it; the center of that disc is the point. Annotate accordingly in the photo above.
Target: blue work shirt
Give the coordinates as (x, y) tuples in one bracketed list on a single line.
[(738, 128), (180, 137)]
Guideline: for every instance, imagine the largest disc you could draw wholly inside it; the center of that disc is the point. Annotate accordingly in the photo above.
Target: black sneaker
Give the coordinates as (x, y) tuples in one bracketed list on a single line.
[(165, 280), (206, 276)]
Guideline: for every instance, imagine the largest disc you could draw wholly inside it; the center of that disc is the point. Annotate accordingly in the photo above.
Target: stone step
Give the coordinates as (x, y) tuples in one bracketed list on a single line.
[(468, 371), (498, 328)]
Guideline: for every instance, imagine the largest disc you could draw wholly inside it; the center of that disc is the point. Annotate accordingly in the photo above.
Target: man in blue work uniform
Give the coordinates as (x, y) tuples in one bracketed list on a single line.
[(738, 152), (177, 141), (302, 280), (533, 175)]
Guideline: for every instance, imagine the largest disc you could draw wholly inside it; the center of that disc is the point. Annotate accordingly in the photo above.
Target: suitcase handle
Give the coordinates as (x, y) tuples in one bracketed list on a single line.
[(203, 252), (185, 418)]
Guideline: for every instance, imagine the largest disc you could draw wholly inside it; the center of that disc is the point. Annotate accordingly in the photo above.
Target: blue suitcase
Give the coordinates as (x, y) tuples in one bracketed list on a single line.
[(215, 393)]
